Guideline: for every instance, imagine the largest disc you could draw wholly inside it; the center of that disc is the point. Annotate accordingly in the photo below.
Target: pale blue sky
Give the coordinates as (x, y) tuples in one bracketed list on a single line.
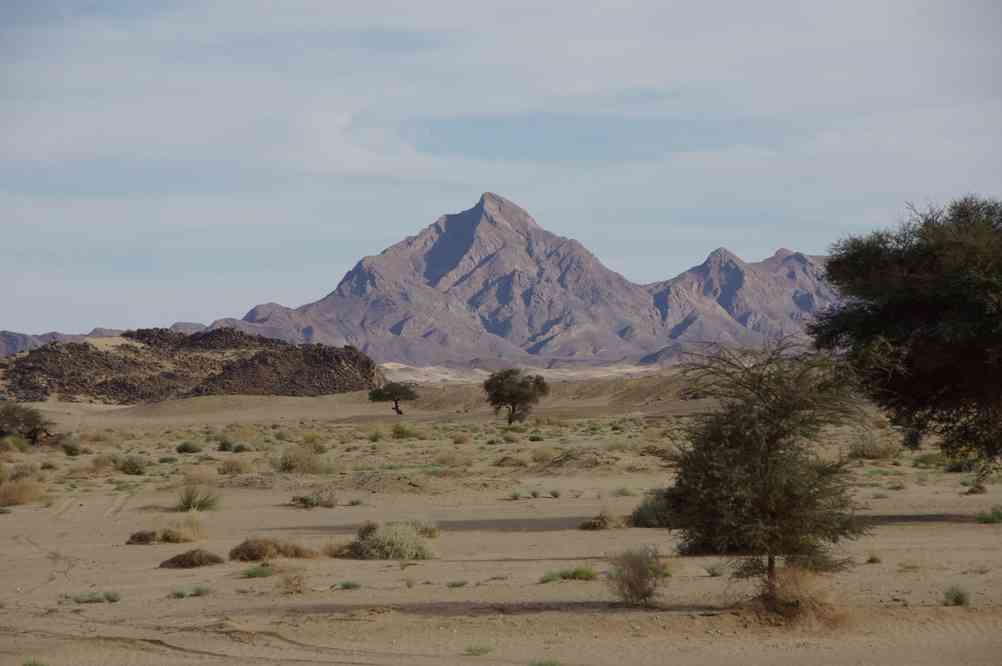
[(188, 160)]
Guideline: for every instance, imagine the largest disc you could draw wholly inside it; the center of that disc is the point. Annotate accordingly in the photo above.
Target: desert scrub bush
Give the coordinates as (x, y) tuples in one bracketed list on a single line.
[(21, 491), (956, 596), (636, 575), (322, 498), (653, 511), (555, 493), (603, 521), (873, 558), (453, 459), (868, 445), (191, 559), (623, 491), (131, 464), (425, 528), (194, 497), (392, 541), (461, 438), (577, 573), (543, 454), (71, 447), (234, 467), (188, 447), (301, 460), (992, 517), (293, 583), (375, 436), (404, 431), (257, 549)]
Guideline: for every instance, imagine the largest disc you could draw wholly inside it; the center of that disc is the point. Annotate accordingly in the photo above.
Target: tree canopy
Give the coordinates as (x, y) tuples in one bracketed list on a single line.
[(515, 390), (750, 482), (24, 421), (922, 322), (395, 392)]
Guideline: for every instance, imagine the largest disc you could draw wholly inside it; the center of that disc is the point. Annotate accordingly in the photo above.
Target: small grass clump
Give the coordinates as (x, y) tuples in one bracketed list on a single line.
[(477, 650), (956, 596), (97, 598), (257, 549), (714, 570), (868, 445), (348, 585), (185, 593), (602, 521), (194, 497), (392, 541), (636, 575), (192, 559), (992, 517), (873, 558), (453, 584), (404, 431), (577, 573), (323, 498), (263, 570)]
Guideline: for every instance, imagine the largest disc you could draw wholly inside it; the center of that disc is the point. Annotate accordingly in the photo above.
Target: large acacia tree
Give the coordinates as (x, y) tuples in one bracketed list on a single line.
[(515, 390), (922, 323), (751, 482)]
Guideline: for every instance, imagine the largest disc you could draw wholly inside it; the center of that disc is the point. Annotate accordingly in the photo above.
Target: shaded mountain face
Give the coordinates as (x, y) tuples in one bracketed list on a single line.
[(489, 286)]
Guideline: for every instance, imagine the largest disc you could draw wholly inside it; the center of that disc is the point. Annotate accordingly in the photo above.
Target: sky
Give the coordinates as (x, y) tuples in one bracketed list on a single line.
[(184, 161)]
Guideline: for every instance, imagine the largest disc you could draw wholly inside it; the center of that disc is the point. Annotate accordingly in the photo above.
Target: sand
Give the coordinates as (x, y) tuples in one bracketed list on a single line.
[(479, 601)]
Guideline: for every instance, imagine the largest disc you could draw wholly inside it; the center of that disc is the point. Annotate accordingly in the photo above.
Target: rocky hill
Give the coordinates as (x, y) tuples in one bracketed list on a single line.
[(150, 365), (489, 287)]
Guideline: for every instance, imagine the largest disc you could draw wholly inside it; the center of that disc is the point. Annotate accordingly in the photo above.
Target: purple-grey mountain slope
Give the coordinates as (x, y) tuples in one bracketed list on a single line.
[(489, 286)]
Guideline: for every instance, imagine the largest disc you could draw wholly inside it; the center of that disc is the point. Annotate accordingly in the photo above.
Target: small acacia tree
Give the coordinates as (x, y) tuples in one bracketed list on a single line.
[(395, 392), (515, 390), (921, 324), (749, 482), (24, 421)]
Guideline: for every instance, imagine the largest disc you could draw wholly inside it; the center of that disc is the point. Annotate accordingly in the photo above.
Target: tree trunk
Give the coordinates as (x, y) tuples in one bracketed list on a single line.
[(511, 415), (770, 577), (396, 408)]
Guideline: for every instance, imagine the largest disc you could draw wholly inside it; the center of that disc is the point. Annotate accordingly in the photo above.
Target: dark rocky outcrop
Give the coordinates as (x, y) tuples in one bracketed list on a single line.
[(151, 365)]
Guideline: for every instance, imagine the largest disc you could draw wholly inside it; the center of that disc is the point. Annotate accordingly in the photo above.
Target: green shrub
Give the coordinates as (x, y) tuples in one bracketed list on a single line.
[(653, 511), (577, 573), (72, 448), (956, 596), (262, 570), (348, 585), (478, 650), (188, 447)]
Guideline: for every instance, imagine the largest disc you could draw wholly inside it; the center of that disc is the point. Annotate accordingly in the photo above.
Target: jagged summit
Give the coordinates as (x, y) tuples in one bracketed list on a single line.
[(489, 285)]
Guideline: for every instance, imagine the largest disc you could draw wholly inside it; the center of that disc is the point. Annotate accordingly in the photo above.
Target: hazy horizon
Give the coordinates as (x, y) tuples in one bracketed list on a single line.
[(186, 161)]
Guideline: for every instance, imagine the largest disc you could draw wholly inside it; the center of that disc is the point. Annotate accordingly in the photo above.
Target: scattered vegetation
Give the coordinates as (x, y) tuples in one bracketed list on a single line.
[(577, 573), (23, 421), (992, 517), (188, 447), (97, 598), (478, 650), (263, 570)]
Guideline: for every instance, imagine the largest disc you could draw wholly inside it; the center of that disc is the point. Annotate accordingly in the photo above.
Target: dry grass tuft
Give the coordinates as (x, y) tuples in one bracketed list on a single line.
[(293, 583), (258, 549), (636, 575), (800, 596), (21, 491), (192, 559), (234, 466), (603, 521), (393, 541)]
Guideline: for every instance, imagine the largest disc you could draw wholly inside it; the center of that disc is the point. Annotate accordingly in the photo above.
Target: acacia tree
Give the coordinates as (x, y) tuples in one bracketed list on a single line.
[(749, 481), (395, 392), (24, 421), (922, 324), (515, 390)]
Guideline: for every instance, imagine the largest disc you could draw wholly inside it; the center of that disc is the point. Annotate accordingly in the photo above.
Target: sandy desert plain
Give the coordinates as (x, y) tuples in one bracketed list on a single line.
[(507, 503)]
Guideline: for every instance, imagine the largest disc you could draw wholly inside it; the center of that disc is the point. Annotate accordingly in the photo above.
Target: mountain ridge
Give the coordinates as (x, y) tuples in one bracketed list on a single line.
[(489, 286)]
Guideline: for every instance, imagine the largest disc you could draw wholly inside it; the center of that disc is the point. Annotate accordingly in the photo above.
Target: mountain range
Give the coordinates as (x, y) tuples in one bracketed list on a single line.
[(489, 286)]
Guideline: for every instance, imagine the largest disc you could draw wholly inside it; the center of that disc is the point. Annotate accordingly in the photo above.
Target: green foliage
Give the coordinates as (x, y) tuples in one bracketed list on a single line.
[(20, 420), (654, 511), (516, 391), (478, 650), (956, 596), (749, 482), (921, 323), (393, 541), (577, 573), (263, 570), (348, 585), (992, 517), (188, 447), (395, 392)]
